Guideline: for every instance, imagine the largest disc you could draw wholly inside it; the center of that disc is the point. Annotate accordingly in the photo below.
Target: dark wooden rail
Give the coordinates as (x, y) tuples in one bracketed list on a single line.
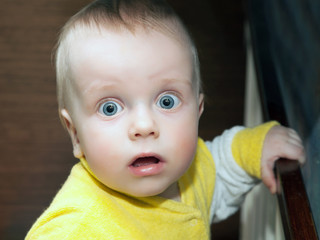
[(296, 214), (295, 210)]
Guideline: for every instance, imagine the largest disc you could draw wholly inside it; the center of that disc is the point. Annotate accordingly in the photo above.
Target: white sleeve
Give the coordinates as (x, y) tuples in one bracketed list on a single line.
[(232, 182)]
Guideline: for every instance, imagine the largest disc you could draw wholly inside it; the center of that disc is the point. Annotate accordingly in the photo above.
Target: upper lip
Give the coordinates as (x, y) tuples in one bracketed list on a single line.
[(145, 155)]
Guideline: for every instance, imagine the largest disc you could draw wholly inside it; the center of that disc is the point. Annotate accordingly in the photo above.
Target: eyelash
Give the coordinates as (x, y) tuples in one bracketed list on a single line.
[(171, 101), (111, 107)]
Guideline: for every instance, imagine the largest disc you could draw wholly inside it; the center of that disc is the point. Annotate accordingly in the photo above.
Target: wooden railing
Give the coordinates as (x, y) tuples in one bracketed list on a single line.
[(294, 205), (296, 214)]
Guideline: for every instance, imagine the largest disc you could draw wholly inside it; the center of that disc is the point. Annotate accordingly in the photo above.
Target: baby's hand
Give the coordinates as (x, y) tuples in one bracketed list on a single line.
[(280, 142)]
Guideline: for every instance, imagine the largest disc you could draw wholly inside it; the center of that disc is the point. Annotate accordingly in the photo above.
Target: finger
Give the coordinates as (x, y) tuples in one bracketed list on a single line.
[(295, 142), (269, 179), (294, 151), (293, 135)]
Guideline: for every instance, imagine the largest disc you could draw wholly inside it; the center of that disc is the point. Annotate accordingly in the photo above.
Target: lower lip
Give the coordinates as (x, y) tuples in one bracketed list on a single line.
[(148, 170)]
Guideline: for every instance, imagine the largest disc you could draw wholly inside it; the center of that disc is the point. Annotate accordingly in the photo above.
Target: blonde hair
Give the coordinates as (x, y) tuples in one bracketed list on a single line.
[(118, 15)]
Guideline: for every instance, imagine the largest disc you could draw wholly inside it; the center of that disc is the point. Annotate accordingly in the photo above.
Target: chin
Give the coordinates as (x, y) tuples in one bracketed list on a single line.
[(147, 193)]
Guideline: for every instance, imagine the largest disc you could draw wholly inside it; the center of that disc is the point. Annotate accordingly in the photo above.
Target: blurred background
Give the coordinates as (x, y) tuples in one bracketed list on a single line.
[(36, 151)]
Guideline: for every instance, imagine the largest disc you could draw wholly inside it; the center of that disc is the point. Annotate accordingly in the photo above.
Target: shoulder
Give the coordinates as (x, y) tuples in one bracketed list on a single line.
[(56, 224), (73, 212)]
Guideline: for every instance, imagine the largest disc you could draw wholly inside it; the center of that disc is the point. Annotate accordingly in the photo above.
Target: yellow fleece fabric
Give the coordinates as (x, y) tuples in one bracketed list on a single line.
[(247, 147), (86, 209)]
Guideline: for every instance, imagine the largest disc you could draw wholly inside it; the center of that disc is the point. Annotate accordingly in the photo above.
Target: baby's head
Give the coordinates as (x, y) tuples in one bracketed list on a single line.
[(128, 86), (119, 16)]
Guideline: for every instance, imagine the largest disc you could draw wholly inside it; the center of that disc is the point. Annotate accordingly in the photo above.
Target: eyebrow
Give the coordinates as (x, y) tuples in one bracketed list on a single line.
[(102, 86), (98, 85), (177, 80)]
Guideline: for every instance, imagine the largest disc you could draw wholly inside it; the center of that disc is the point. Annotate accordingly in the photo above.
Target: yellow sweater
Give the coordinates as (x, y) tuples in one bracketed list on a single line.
[(86, 209)]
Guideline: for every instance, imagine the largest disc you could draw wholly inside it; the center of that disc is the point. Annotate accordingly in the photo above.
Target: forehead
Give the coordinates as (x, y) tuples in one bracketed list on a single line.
[(82, 35), (127, 51)]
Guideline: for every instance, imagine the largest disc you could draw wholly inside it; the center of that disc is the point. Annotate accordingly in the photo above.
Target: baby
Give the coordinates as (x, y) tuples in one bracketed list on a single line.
[(130, 96)]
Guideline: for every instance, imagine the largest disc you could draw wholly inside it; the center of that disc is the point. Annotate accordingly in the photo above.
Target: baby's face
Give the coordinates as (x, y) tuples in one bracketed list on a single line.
[(134, 113)]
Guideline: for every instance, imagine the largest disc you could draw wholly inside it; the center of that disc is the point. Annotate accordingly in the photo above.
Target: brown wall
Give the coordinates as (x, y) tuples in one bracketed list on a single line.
[(36, 154)]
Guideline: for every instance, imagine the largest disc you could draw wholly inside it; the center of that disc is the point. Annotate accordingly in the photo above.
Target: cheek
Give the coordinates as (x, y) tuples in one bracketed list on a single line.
[(188, 143), (98, 141), (185, 135), (187, 126)]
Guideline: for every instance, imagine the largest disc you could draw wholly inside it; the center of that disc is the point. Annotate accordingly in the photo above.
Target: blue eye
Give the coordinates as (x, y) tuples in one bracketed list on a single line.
[(168, 101), (110, 108)]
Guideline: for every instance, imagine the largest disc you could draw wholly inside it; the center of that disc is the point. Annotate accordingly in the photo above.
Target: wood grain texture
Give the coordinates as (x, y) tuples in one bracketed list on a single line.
[(297, 220)]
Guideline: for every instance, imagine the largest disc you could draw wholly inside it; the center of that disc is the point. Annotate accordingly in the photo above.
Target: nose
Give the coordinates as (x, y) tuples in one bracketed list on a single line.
[(143, 125)]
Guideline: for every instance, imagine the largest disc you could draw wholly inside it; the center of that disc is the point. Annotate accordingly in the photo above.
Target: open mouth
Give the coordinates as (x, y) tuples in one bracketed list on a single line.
[(146, 164), (145, 161)]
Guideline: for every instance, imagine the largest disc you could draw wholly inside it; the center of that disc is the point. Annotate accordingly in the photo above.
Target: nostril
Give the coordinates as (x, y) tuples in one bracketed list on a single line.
[(139, 130), (140, 135)]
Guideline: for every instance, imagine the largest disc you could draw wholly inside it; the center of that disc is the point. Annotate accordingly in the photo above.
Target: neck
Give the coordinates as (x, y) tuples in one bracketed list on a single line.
[(172, 192)]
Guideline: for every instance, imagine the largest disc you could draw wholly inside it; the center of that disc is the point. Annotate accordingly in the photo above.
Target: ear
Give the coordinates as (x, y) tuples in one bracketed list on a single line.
[(201, 104), (77, 151)]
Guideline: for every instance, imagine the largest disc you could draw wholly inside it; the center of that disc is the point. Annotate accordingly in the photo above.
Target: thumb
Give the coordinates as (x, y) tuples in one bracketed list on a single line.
[(268, 178)]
